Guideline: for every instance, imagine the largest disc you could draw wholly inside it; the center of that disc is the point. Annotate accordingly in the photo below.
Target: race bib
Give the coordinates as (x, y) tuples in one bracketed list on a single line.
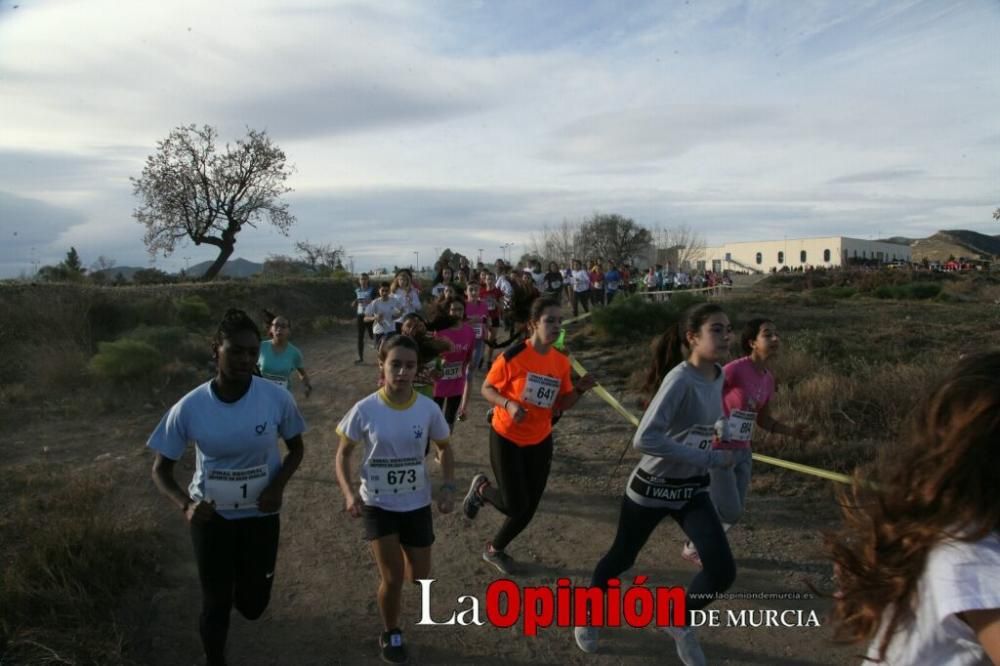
[(396, 476), (478, 330), (235, 489), (700, 437), (741, 424), (451, 370), (491, 303), (540, 390), (277, 379)]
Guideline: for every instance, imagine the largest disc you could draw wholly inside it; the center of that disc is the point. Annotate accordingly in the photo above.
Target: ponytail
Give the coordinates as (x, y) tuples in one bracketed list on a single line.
[(668, 352), (669, 349)]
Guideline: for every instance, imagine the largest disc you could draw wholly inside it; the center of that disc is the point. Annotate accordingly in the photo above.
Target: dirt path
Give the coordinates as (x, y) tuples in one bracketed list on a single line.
[(323, 608)]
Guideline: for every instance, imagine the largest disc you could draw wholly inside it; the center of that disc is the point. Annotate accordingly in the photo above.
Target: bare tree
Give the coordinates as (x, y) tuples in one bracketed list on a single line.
[(191, 191), (679, 245), (560, 244), (612, 237), (320, 257)]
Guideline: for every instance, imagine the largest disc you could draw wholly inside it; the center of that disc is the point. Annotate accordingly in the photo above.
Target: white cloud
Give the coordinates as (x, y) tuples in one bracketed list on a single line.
[(476, 122)]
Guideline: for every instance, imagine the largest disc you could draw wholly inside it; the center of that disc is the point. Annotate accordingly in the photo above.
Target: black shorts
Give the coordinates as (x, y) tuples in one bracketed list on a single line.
[(415, 528)]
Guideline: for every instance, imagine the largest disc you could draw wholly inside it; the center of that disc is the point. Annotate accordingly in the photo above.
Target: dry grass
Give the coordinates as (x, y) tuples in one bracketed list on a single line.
[(67, 560)]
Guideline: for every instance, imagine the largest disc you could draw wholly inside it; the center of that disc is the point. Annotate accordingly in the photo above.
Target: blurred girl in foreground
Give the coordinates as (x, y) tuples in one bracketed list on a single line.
[(918, 556)]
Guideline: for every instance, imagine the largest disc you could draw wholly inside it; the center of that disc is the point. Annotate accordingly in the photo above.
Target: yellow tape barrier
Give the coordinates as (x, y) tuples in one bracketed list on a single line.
[(778, 462)]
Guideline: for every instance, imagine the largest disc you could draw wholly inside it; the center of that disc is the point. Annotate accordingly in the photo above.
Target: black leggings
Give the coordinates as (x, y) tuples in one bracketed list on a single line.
[(581, 298), (521, 473), (364, 328), (700, 523), (236, 567), (449, 405)]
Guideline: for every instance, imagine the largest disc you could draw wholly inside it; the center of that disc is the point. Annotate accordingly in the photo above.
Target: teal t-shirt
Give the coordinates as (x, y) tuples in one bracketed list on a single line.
[(278, 367)]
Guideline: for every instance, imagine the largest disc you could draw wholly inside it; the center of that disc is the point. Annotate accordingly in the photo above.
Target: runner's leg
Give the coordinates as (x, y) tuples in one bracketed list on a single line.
[(255, 561), (214, 551)]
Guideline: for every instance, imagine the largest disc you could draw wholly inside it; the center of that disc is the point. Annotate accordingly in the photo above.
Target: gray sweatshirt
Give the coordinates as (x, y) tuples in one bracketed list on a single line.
[(676, 436)]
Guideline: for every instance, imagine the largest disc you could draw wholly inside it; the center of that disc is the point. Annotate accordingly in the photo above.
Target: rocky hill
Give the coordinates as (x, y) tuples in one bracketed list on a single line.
[(956, 243)]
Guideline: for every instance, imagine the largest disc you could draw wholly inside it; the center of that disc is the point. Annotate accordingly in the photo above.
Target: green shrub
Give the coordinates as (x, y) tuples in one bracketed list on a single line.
[(324, 324), (638, 317), (837, 292), (163, 338), (126, 360), (193, 311)]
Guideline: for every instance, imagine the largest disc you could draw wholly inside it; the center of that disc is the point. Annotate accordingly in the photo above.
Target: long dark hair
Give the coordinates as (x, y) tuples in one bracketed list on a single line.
[(429, 347), (937, 482), (750, 332), (669, 347)]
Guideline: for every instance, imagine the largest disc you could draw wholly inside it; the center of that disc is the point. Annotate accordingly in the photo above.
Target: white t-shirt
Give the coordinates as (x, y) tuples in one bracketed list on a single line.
[(236, 443), (395, 439), (387, 309), (506, 288), (406, 301), (958, 577), (581, 281)]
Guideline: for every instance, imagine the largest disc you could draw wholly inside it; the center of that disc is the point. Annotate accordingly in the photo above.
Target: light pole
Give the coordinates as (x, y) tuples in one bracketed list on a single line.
[(505, 249), (417, 267), (350, 262), (480, 260)]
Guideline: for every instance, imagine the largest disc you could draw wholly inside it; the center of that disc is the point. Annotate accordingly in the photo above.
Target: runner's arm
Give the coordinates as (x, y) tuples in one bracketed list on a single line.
[(343, 471), (296, 451), (304, 376), (585, 384), (986, 624), (447, 464), (163, 477)]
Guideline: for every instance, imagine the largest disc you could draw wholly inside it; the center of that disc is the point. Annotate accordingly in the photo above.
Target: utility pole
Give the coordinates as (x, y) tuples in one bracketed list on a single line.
[(416, 268), (480, 260)]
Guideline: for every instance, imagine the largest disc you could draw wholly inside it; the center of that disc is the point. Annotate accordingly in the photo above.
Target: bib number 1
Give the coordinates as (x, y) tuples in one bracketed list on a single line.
[(236, 489)]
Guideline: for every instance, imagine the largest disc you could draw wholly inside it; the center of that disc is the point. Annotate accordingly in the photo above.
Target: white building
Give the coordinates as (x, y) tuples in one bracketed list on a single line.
[(795, 253)]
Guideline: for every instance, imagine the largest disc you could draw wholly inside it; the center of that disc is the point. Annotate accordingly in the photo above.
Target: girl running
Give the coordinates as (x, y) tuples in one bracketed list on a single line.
[(478, 316), (381, 313), (233, 500), (746, 393), (918, 556), (449, 388), (525, 384), (552, 284), (430, 350), (581, 288), (363, 296), (494, 300), (406, 294), (446, 279), (672, 478), (279, 358), (395, 427)]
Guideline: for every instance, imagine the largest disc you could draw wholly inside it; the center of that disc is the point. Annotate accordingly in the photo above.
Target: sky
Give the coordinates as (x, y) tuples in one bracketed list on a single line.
[(415, 126)]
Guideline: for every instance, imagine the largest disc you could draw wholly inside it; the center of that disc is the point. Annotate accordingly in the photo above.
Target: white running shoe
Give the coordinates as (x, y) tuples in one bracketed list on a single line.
[(688, 648), (690, 553), (586, 638)]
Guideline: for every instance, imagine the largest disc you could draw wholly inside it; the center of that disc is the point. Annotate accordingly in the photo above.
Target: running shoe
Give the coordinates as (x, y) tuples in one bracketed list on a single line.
[(688, 648), (360, 361), (586, 638), (473, 502), (489, 415), (501, 560), (393, 650), (690, 553)]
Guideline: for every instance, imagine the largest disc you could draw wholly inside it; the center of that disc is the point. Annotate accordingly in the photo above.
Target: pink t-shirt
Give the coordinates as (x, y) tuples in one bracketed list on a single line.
[(456, 361), (478, 316), (745, 392)]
